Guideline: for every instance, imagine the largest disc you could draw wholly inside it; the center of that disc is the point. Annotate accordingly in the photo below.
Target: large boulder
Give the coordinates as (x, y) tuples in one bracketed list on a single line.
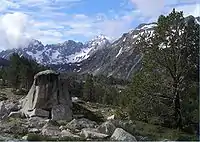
[(48, 97), (121, 135)]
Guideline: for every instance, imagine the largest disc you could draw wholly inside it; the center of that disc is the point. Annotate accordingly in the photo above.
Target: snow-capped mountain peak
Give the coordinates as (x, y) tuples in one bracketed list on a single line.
[(61, 53)]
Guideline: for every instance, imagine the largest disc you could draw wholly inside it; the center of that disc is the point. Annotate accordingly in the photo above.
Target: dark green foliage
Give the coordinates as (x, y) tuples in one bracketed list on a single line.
[(165, 91), (88, 89), (21, 71)]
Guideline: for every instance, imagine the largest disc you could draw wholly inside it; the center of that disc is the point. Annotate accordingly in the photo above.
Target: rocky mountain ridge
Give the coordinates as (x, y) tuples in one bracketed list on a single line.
[(120, 58), (66, 52)]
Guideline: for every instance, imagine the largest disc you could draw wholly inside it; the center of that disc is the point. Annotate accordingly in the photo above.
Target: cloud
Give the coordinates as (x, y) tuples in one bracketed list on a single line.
[(5, 4), (149, 8), (193, 9), (13, 29), (49, 22), (153, 8)]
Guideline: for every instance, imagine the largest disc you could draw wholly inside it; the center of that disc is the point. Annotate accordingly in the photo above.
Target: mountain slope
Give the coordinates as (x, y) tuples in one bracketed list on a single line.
[(3, 62), (121, 59)]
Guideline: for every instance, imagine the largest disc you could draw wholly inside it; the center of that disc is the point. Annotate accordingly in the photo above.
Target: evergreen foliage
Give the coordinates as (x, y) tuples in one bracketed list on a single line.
[(166, 89)]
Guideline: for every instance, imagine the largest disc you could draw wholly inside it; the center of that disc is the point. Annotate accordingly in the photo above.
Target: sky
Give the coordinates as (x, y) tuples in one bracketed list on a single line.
[(55, 21)]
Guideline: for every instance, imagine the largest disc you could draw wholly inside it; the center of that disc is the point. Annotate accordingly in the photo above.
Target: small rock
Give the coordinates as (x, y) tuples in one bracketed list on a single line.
[(62, 128), (36, 122), (141, 138), (107, 128), (66, 133), (39, 112), (127, 125), (93, 134), (121, 135), (111, 117), (50, 130), (16, 114), (34, 130), (2, 108), (61, 112), (81, 123), (16, 129), (25, 138)]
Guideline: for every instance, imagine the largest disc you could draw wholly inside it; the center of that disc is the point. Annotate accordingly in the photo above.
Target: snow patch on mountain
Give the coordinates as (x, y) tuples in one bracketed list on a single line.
[(66, 52), (120, 51)]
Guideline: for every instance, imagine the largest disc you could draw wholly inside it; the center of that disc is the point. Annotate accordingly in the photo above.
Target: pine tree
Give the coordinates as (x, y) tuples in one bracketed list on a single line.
[(88, 89)]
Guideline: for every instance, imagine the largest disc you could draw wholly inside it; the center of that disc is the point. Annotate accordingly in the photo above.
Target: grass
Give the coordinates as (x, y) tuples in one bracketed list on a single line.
[(155, 132)]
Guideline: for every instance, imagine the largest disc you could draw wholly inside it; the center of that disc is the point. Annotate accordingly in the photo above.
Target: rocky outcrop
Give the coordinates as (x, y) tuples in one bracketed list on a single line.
[(48, 97)]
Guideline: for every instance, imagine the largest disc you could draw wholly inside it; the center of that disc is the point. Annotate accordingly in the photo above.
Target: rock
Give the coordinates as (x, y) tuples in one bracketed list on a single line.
[(50, 130), (93, 134), (6, 107), (107, 128), (60, 112), (10, 106), (16, 129), (36, 122), (25, 137), (34, 130), (121, 135), (111, 117), (38, 112), (127, 125), (66, 133), (75, 99), (16, 114), (2, 108), (50, 94), (141, 138), (81, 123)]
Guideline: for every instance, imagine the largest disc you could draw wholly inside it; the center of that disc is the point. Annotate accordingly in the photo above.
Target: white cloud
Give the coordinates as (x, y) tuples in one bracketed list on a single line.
[(13, 29), (193, 9), (46, 20), (5, 4), (150, 7)]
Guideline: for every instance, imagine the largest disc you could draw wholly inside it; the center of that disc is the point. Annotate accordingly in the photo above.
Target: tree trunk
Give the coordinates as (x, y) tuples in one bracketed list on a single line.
[(178, 116)]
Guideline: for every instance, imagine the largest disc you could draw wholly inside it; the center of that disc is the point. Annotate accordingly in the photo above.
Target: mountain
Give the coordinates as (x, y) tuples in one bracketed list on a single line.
[(120, 58), (3, 62), (67, 52)]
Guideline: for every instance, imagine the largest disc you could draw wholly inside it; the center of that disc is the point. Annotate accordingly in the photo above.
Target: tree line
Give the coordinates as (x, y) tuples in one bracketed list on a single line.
[(20, 71)]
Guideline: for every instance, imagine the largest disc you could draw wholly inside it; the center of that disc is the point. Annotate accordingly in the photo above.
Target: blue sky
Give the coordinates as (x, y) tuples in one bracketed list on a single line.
[(53, 21)]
